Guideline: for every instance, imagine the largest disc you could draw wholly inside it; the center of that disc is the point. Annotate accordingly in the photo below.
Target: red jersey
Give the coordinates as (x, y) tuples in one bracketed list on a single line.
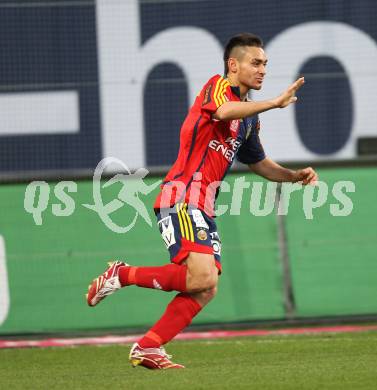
[(208, 148)]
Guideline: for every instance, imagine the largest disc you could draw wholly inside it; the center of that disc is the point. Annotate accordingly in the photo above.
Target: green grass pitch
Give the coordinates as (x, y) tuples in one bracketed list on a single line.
[(325, 361)]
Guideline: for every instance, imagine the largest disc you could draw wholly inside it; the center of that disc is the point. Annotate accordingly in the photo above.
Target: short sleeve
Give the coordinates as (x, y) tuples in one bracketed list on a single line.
[(251, 150), (215, 93)]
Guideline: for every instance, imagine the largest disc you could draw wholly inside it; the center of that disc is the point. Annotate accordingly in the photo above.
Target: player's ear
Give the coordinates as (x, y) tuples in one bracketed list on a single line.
[(232, 65)]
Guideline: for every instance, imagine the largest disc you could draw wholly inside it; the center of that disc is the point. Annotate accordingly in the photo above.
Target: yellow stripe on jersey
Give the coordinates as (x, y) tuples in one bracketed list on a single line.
[(187, 222), (222, 93), (184, 221), (191, 231), (219, 81), (180, 219)]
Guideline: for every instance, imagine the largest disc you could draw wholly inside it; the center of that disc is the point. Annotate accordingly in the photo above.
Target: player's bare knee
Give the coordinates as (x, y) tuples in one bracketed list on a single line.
[(201, 272), (204, 297), (209, 280), (210, 294), (202, 281)]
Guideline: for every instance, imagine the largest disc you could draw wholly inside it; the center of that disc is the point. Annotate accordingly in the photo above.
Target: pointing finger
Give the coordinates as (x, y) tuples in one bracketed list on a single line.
[(298, 83)]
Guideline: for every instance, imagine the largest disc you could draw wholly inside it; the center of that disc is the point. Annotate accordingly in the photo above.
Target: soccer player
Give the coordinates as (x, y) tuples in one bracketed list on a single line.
[(222, 124)]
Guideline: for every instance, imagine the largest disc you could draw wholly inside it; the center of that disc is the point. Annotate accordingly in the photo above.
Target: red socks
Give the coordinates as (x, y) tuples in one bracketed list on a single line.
[(180, 311), (167, 277), (178, 315)]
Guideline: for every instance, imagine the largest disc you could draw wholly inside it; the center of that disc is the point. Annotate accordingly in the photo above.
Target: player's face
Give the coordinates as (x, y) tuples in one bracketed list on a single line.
[(252, 68)]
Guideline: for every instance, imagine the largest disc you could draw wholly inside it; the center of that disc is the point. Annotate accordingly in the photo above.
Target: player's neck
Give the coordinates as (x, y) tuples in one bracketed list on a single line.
[(235, 83)]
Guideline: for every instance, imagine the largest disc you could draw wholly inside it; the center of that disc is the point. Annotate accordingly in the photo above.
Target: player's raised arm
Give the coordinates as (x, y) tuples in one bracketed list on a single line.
[(273, 171), (236, 110)]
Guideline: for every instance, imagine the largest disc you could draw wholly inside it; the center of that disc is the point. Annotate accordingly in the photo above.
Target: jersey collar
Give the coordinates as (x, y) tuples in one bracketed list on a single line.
[(236, 91)]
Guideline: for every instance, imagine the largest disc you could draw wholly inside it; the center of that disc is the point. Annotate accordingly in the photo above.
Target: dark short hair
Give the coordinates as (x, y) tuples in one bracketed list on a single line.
[(242, 39)]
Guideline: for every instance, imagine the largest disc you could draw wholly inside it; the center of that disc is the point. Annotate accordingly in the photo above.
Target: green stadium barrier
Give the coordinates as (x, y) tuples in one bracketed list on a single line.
[(334, 259), (48, 267)]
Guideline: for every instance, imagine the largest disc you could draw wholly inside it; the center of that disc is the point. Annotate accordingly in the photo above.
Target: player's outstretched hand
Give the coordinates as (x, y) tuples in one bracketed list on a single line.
[(306, 176), (289, 95)]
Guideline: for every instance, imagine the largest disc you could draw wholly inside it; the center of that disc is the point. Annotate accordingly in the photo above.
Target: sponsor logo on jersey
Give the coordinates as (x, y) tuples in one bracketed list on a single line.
[(167, 231), (216, 243), (199, 219), (229, 150), (234, 125)]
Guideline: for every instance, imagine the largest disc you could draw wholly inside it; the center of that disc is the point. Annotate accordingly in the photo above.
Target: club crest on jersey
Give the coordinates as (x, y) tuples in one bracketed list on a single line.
[(202, 235), (207, 95), (234, 125)]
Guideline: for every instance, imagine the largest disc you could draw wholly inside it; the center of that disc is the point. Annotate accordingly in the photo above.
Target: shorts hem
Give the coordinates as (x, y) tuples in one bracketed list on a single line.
[(187, 247)]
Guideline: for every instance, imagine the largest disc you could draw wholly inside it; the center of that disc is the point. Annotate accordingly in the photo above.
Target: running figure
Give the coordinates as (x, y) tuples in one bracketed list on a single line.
[(222, 124)]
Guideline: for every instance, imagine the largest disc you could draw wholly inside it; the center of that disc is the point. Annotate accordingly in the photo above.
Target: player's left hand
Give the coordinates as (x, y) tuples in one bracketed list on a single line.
[(305, 176)]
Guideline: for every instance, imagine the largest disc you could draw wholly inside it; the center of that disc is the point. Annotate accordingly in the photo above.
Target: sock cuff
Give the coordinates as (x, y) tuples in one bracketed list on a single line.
[(132, 275), (127, 275), (154, 338)]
